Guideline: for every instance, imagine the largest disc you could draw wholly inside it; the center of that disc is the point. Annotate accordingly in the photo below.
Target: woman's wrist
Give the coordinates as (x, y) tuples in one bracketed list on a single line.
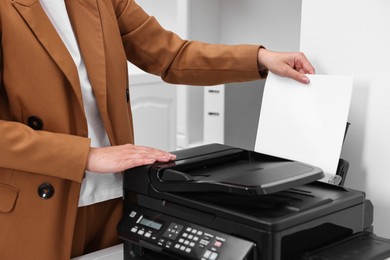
[(263, 70)]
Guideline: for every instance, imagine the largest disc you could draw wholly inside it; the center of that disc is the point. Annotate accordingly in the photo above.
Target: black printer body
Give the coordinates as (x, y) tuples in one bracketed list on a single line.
[(216, 202)]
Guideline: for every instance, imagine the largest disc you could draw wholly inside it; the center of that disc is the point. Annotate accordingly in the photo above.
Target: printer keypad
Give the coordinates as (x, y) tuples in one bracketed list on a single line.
[(191, 239), (186, 241)]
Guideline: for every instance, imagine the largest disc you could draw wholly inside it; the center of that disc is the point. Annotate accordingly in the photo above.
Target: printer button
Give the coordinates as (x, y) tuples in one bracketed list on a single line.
[(132, 214), (213, 256), (217, 243), (168, 244), (207, 254)]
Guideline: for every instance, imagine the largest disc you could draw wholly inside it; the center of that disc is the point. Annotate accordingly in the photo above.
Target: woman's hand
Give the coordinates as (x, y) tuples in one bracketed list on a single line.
[(121, 157), (286, 64)]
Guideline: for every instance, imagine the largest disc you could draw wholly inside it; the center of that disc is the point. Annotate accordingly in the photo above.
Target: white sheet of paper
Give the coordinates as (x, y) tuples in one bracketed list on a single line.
[(305, 123)]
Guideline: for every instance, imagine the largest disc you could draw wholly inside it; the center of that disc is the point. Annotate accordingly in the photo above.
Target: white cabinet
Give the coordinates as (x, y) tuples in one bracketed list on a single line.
[(154, 107)]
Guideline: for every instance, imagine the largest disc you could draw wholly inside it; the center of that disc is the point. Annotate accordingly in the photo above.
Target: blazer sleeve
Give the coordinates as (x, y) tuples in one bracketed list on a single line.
[(163, 53)]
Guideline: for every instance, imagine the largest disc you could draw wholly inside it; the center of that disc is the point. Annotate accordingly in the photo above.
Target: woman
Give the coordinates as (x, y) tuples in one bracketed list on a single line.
[(65, 120)]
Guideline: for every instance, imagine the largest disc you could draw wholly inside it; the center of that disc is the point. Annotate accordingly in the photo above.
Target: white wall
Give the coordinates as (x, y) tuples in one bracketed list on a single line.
[(351, 37), (272, 23)]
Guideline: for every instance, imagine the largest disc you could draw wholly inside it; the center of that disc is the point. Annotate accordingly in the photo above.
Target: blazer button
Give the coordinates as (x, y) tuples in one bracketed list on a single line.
[(35, 123), (45, 191), (127, 95)]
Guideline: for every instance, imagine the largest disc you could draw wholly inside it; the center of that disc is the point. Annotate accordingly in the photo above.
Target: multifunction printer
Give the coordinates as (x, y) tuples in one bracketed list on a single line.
[(216, 202)]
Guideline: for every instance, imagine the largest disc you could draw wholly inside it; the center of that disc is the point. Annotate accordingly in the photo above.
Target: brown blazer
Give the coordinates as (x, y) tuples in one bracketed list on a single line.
[(43, 130)]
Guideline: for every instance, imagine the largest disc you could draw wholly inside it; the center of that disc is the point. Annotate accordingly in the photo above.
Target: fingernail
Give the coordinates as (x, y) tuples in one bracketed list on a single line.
[(306, 80)]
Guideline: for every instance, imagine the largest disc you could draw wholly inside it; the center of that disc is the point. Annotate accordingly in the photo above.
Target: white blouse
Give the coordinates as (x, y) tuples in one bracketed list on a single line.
[(96, 187)]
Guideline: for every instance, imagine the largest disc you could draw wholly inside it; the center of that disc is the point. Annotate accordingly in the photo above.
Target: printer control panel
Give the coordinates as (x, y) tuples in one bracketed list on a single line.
[(179, 238)]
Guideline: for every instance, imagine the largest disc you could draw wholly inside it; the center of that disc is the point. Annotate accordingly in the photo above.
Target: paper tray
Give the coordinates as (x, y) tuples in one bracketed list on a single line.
[(361, 246)]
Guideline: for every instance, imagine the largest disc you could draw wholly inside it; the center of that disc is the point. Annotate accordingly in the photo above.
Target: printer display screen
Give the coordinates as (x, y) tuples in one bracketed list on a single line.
[(150, 223)]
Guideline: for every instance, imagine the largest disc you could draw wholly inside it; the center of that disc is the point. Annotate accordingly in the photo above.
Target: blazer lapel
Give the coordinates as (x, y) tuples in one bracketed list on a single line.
[(86, 22), (39, 23)]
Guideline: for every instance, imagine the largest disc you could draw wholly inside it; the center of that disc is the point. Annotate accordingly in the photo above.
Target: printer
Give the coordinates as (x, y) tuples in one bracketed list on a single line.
[(217, 202)]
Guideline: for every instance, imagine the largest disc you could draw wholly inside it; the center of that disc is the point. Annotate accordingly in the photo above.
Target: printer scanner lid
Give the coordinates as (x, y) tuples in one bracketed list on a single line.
[(221, 168)]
